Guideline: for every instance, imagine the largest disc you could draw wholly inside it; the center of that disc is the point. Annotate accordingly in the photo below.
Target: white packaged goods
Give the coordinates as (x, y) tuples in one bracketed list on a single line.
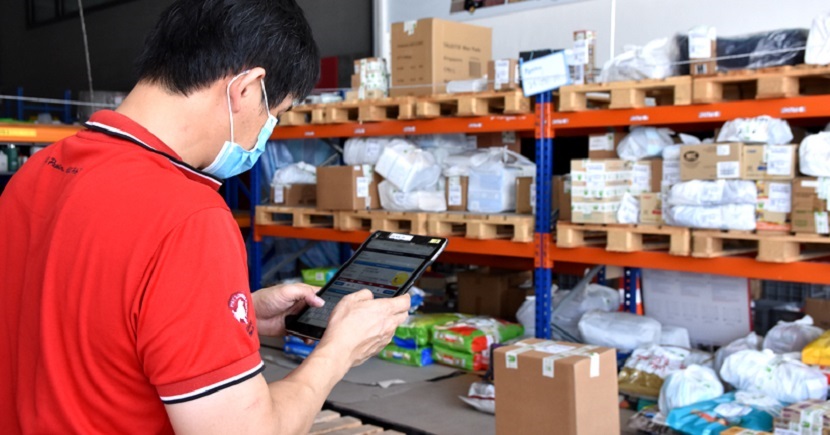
[(644, 142), (492, 182), (364, 151), (720, 217), (446, 146), (295, 173), (709, 193), (629, 211), (688, 386), (526, 315), (568, 312), (818, 42), (763, 129), (751, 342), (623, 331), (393, 199), (407, 167), (814, 155), (645, 369), (482, 397), (787, 337), (655, 60), (777, 376), (675, 336), (462, 86)]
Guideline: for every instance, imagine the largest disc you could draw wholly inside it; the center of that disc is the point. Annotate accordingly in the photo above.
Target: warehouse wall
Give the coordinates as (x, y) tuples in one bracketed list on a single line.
[(49, 59)]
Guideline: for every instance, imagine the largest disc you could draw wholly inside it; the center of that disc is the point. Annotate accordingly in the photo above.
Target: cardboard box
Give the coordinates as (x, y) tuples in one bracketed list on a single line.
[(646, 176), (507, 139), (491, 292), (547, 387), (456, 191), (703, 51), (711, 161), (819, 310), (768, 162), (584, 56), (597, 187), (604, 146), (294, 195), (651, 208), (503, 74), (772, 212), (347, 188), (355, 81), (524, 205), (809, 210), (562, 196), (428, 53)]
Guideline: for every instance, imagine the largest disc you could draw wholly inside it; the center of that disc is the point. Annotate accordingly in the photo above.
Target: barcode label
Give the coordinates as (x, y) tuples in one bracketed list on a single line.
[(728, 169)]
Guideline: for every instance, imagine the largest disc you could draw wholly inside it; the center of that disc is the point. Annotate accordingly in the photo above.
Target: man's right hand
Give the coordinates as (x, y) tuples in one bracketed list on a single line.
[(361, 326)]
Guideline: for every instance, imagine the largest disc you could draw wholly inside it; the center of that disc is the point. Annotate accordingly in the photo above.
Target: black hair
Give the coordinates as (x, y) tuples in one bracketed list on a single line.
[(197, 42)]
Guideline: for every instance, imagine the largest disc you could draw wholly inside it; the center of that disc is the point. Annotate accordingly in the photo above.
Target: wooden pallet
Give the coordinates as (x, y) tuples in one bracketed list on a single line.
[(331, 423), (387, 109), (379, 220), (780, 82), (671, 91), (518, 228), (771, 247), (302, 115), (475, 104), (341, 112), (305, 217), (624, 238)]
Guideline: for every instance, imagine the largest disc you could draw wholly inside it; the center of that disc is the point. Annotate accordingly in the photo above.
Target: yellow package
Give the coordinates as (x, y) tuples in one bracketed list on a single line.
[(817, 352)]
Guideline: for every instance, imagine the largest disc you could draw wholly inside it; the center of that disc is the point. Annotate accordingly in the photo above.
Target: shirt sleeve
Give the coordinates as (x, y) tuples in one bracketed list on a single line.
[(196, 328)]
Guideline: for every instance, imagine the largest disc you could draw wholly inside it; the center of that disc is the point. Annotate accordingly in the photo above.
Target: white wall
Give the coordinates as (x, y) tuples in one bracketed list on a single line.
[(638, 21)]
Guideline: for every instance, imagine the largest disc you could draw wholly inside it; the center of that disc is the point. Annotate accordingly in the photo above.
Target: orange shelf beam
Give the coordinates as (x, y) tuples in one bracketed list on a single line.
[(480, 124), (806, 272), (243, 218), (32, 133)]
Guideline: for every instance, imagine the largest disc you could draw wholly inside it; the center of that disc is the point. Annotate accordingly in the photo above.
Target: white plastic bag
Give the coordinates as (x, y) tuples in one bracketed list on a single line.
[(461, 86), (688, 386), (675, 336), (569, 310), (787, 337), (763, 129), (655, 60), (717, 192), (776, 376), (445, 146), (407, 167), (751, 342), (623, 331), (295, 173), (818, 42), (482, 397), (526, 315), (629, 211), (814, 155), (393, 199), (722, 217), (644, 142), (364, 151), (492, 183)]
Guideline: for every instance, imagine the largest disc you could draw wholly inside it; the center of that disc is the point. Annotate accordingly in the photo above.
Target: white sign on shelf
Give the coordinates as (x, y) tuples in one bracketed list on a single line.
[(545, 74)]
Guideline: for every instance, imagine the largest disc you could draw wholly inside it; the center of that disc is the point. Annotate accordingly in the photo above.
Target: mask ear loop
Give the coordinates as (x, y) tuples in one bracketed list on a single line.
[(228, 93), (265, 95)]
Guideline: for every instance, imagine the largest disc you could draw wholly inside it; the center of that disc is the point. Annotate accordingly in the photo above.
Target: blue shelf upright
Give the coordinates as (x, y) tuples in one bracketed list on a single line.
[(542, 274), (255, 256)]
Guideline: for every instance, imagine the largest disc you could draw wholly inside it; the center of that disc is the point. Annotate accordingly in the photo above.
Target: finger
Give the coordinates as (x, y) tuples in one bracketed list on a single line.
[(358, 296), (301, 292), (309, 342), (401, 304)]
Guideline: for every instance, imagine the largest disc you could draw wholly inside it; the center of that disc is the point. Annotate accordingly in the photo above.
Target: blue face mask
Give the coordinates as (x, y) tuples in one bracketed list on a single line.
[(233, 159)]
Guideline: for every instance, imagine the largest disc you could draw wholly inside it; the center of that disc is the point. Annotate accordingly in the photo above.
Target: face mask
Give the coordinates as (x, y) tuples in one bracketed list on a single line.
[(233, 159)]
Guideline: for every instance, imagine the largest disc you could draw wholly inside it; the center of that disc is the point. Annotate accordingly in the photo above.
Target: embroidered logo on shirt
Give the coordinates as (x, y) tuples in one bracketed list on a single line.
[(238, 305)]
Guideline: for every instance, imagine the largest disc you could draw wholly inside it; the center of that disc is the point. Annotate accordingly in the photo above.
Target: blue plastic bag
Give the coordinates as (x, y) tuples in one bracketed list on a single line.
[(702, 419)]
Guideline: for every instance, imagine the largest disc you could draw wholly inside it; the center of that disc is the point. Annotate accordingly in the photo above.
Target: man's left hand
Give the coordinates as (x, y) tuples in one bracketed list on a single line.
[(272, 304)]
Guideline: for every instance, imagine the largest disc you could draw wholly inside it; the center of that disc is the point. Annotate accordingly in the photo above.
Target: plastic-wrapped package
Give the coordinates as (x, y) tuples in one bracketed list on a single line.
[(416, 330), (787, 337), (713, 416), (818, 42), (492, 183), (629, 211), (459, 164), (364, 150), (418, 357), (644, 142), (474, 334), (717, 192), (818, 351), (482, 397), (758, 50), (393, 199), (644, 371), (655, 60), (461, 86), (814, 155), (295, 173), (407, 167), (568, 312), (722, 217), (763, 129), (675, 336), (752, 341), (623, 331), (445, 146), (691, 385), (459, 359), (776, 376)]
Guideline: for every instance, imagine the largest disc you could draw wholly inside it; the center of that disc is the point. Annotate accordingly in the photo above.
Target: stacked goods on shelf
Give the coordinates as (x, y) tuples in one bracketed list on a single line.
[(810, 193), (503, 74), (465, 343), (583, 61), (412, 343), (601, 189), (347, 188), (370, 80), (411, 176), (295, 185)]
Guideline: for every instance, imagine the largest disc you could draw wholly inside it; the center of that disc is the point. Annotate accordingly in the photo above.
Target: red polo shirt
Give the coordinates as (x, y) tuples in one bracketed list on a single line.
[(124, 286)]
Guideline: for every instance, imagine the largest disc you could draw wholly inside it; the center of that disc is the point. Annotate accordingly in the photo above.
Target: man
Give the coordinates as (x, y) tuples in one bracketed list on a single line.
[(125, 301)]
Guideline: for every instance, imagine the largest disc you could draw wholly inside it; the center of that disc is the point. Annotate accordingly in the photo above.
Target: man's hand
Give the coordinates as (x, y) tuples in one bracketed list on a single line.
[(272, 304)]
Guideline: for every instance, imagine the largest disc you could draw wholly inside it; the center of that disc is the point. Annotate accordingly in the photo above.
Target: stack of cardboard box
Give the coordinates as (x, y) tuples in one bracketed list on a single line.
[(370, 79), (809, 205), (598, 186)]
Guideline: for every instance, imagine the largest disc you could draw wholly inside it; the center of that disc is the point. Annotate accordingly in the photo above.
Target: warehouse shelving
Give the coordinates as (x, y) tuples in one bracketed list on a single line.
[(35, 133)]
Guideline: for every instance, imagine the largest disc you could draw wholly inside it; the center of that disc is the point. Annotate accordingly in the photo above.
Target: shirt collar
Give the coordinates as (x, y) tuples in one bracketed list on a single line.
[(117, 125)]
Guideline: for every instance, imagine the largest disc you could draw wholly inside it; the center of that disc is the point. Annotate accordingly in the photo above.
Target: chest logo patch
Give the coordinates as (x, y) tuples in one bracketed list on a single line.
[(238, 304)]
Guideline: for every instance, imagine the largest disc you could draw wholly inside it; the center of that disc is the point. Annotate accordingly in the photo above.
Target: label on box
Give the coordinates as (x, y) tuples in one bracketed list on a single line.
[(780, 198), (700, 42), (409, 27), (728, 169), (779, 160), (822, 224), (723, 150), (580, 52), (362, 187), (594, 167), (641, 177), (502, 73), (601, 142), (279, 194), (454, 195), (512, 357)]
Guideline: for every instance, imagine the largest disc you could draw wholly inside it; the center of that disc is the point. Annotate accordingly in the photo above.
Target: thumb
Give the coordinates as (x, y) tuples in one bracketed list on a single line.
[(360, 296), (298, 292)]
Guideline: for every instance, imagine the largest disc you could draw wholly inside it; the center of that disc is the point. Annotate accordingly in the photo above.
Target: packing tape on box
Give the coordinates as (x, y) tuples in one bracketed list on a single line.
[(549, 362), (592, 207), (558, 351), (511, 360)]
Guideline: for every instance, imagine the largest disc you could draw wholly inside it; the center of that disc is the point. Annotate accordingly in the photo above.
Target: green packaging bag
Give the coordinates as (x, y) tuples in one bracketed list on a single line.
[(318, 276), (467, 361), (411, 357), (416, 331), (475, 334)]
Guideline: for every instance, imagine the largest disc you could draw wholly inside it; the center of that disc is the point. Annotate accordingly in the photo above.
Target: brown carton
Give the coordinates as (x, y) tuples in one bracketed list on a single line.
[(809, 211), (507, 139), (294, 195), (428, 53), (710, 161), (562, 196), (355, 81), (556, 388), (604, 146), (765, 162), (524, 195), (772, 212), (456, 191), (347, 188), (651, 208), (703, 51), (819, 310), (492, 293), (503, 74), (646, 176)]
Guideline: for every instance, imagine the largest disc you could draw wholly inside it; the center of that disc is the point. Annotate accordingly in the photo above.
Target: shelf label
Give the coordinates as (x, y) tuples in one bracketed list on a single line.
[(639, 118), (475, 125), (309, 133), (709, 114), (409, 129), (360, 131), (560, 121), (14, 131), (793, 109)]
